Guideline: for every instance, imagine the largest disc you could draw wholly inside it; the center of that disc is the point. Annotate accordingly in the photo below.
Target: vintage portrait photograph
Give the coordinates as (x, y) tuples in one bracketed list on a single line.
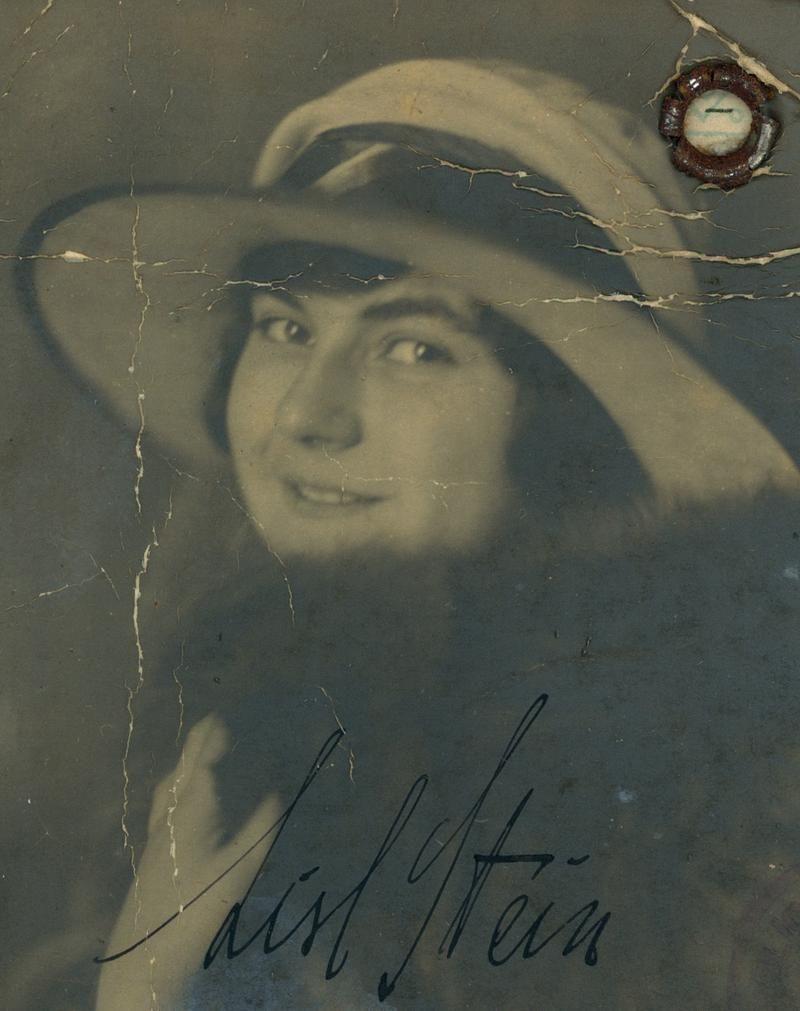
[(400, 467)]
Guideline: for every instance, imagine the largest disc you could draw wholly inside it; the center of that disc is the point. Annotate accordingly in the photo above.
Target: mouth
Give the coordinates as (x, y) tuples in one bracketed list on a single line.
[(328, 497)]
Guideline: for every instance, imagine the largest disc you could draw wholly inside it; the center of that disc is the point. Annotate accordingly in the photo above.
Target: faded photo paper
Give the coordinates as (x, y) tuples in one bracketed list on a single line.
[(403, 551)]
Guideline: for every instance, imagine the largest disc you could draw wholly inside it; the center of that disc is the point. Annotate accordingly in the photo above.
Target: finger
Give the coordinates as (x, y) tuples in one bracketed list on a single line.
[(205, 744)]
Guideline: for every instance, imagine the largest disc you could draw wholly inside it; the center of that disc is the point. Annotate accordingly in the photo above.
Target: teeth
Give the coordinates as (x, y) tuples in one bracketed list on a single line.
[(325, 496)]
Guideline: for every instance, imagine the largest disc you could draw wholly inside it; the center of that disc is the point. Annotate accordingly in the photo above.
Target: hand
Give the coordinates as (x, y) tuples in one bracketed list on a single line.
[(182, 857)]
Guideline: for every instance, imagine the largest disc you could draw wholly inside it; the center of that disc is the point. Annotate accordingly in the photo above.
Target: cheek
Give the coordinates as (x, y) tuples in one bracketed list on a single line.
[(253, 400), (460, 433), (450, 455)]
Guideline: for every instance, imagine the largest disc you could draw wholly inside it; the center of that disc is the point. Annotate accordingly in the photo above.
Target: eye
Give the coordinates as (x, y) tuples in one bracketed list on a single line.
[(408, 351), (281, 330)]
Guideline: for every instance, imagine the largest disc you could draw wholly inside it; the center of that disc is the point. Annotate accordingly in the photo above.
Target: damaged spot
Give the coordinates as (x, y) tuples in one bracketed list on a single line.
[(717, 120)]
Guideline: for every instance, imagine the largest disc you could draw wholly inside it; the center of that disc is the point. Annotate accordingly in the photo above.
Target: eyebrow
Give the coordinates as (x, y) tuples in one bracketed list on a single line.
[(426, 306), (278, 293), (396, 308)]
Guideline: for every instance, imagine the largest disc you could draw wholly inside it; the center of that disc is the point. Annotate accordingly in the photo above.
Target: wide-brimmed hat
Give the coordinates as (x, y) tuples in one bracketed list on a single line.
[(580, 245)]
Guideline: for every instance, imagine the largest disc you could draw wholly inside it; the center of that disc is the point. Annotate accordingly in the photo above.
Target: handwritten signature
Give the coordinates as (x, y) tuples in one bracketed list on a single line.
[(509, 938)]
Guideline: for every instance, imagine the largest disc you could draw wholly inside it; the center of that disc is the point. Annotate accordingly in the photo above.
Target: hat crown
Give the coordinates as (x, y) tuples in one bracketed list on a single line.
[(535, 130)]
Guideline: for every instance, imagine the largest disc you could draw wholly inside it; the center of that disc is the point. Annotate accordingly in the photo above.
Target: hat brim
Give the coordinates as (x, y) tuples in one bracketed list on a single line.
[(132, 292)]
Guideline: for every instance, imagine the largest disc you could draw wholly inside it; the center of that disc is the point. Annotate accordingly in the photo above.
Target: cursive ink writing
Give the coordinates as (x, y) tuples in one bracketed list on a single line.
[(509, 937)]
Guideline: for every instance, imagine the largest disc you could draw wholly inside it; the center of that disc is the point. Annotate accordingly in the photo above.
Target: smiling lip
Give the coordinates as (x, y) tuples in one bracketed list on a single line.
[(327, 497)]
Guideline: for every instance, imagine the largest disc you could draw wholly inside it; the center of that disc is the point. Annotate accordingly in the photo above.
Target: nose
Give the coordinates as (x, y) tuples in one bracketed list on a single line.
[(321, 407)]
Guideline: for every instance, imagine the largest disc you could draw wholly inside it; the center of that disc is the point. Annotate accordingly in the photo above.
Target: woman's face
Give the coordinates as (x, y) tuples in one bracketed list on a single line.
[(374, 419)]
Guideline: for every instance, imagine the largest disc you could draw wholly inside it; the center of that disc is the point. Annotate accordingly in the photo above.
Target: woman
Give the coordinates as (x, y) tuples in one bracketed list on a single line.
[(450, 463)]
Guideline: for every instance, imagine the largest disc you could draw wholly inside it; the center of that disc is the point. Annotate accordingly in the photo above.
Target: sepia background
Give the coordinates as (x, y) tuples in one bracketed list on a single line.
[(97, 93)]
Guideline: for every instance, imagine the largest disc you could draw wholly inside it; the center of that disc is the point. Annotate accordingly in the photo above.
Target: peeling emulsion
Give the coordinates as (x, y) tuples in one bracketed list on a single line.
[(760, 260), (673, 368), (137, 449), (126, 64), (636, 249), (616, 227), (9, 85), (441, 485), (672, 301), (179, 685), (133, 692), (742, 58), (284, 572), (242, 508), (173, 841), (351, 759), (138, 281), (48, 7), (369, 280), (75, 256), (173, 844), (472, 171), (100, 572), (136, 264), (213, 155)]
